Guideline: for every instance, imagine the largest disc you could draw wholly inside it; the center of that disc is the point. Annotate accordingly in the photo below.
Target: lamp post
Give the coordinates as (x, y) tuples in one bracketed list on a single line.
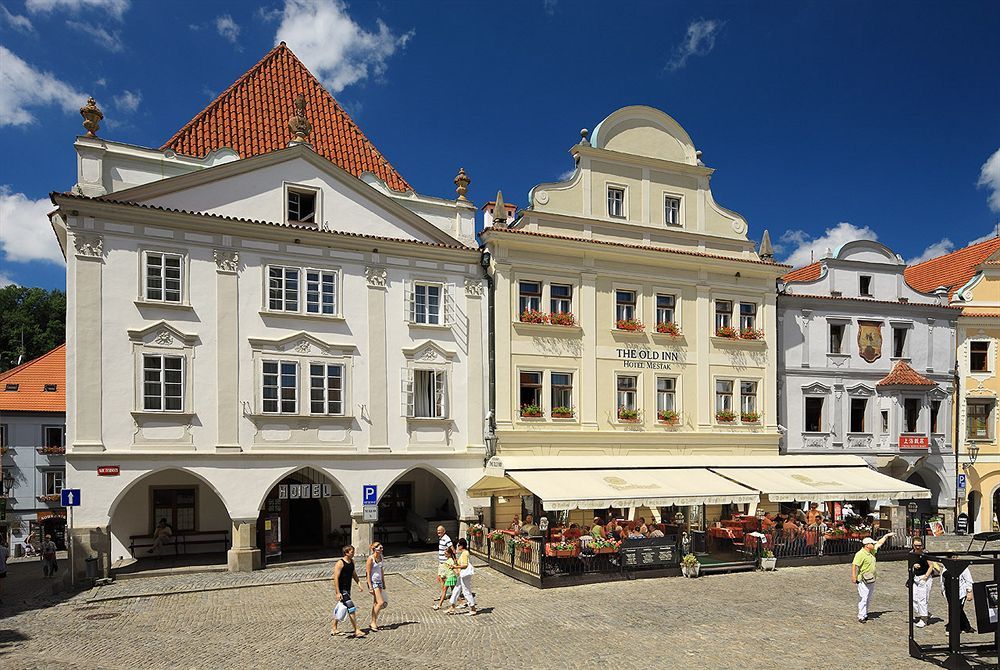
[(8, 483)]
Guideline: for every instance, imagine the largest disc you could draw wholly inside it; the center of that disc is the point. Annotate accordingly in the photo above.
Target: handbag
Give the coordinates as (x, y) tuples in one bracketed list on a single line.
[(868, 577), (340, 611)]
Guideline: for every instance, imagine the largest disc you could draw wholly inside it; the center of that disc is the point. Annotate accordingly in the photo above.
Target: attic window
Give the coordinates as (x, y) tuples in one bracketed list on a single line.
[(866, 285), (11, 387), (50, 388), (301, 205)]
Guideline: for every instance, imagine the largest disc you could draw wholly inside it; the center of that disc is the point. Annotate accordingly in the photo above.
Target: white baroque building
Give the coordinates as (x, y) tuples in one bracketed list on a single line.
[(256, 335), (866, 366)]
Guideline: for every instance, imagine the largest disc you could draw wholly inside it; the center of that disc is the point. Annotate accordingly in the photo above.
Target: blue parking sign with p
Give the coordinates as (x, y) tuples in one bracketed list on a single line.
[(370, 494), (961, 482)]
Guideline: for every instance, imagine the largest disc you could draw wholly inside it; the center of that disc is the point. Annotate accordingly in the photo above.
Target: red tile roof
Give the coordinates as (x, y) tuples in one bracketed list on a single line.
[(952, 270), (251, 117), (31, 378), (808, 273), (903, 375)]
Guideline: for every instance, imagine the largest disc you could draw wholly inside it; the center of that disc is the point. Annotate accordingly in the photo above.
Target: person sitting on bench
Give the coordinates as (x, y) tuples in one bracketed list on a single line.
[(161, 535)]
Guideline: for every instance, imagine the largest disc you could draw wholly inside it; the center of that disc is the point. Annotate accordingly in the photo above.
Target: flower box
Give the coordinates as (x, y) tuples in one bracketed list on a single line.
[(531, 411), (561, 550), (51, 451), (563, 413), (727, 332), (52, 497), (668, 416), (750, 417), (562, 319), (725, 416), (630, 325), (476, 531), (606, 550), (751, 334), (629, 415), (668, 328), (534, 316)]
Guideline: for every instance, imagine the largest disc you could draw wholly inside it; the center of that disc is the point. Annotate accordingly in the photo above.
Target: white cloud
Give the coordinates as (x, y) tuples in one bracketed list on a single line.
[(227, 28), (110, 40), (806, 249), (22, 86), (989, 177), (6, 280), (944, 246), (16, 21), (268, 14), (699, 40), (128, 101), (115, 8), (337, 50), (567, 174), (550, 6), (25, 231)]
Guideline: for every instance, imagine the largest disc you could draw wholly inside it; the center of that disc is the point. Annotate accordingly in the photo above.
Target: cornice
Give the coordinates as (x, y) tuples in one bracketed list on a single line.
[(642, 161)]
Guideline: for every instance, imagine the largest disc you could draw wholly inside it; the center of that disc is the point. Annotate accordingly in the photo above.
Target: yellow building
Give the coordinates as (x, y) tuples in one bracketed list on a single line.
[(972, 276)]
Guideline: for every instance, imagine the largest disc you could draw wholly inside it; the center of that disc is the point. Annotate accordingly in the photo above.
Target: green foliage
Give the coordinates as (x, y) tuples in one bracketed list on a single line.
[(39, 314)]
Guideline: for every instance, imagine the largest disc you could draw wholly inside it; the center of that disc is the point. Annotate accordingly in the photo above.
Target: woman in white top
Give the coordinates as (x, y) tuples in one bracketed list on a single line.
[(463, 567), (376, 583)]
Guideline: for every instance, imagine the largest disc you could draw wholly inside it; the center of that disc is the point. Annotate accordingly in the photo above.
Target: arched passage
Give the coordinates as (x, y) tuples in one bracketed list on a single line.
[(305, 512), (411, 508)]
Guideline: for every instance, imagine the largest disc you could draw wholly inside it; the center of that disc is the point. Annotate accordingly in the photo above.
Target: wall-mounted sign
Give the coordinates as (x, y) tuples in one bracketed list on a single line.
[(913, 442), (648, 359), (870, 340), (109, 471)]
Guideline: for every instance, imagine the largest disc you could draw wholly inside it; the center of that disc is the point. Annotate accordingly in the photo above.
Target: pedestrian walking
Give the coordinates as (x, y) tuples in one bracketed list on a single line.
[(863, 573), (922, 578), (343, 573), (376, 583), (444, 542), (964, 596), (447, 576), (50, 564), (463, 566), (4, 553)]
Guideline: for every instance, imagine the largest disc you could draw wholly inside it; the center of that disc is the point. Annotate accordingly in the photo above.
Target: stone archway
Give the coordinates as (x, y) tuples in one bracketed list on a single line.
[(414, 504), (305, 512)]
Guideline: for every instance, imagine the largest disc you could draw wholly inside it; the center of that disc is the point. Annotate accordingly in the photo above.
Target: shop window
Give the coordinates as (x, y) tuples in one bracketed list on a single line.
[(672, 210), (665, 309), (859, 410), (177, 506), (54, 482), (430, 394), (562, 391), (321, 292), (814, 414), (666, 391), (911, 414), (561, 299), (282, 289), (427, 304), (628, 386), (748, 316), (624, 305), (531, 391), (529, 296), (723, 395), (301, 206), (616, 202), (979, 356), (163, 277), (723, 314), (979, 419), (162, 383), (865, 286), (280, 387), (837, 338), (899, 342), (326, 388), (53, 436)]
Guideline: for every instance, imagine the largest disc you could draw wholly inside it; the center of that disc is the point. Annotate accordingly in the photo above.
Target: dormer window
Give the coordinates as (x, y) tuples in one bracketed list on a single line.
[(49, 388), (865, 286), (11, 387), (301, 205), (616, 202)]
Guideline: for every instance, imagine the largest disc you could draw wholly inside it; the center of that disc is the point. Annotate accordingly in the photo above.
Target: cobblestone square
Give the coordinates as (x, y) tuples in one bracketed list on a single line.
[(794, 618)]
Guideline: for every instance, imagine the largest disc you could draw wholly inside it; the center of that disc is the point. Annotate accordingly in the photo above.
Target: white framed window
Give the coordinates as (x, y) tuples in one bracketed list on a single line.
[(723, 395), (748, 316), (163, 277), (529, 296), (935, 417), (837, 331), (911, 415), (865, 286), (321, 291), (53, 436), (884, 414), (814, 413), (54, 482), (723, 314), (666, 394), (561, 298), (979, 356), (561, 390), (625, 302), (979, 419), (628, 392), (301, 204), (279, 386), (283, 288), (859, 415), (748, 397), (666, 305), (425, 393), (616, 202), (162, 383), (427, 299), (326, 388), (899, 342), (530, 386), (671, 210)]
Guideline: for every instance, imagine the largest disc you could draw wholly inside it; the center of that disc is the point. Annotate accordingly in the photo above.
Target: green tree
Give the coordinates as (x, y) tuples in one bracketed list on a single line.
[(33, 316)]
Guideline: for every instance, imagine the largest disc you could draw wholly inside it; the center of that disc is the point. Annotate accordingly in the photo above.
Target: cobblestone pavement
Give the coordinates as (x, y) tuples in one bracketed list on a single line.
[(794, 618)]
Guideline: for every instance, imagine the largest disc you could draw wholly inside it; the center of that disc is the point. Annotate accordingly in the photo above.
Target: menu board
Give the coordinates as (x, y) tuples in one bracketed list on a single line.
[(650, 552), (985, 596)]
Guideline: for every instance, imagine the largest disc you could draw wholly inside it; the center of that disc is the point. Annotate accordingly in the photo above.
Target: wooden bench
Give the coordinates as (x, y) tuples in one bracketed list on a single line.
[(181, 541)]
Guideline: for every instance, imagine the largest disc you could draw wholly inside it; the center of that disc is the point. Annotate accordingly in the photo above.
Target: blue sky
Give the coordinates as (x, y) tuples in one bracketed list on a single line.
[(825, 121)]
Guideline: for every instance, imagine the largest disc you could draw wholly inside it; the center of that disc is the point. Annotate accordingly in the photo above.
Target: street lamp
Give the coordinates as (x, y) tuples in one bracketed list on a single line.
[(973, 454), (8, 483)]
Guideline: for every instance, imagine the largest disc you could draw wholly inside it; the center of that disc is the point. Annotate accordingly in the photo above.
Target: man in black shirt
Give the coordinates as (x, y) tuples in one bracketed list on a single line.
[(921, 575), (343, 573)]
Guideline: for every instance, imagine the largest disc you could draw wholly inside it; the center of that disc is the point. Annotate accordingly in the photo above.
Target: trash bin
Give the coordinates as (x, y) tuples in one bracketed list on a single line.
[(91, 567)]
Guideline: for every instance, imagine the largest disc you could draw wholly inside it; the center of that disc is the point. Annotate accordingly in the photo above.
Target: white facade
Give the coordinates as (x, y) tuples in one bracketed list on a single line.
[(385, 350), (830, 396)]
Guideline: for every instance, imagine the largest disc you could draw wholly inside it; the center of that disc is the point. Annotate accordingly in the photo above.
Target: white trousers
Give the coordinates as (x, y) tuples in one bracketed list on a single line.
[(463, 588), (921, 596), (865, 594)]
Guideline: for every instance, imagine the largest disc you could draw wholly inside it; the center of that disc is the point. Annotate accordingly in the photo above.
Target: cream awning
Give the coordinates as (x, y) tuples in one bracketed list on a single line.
[(820, 484), (592, 489)]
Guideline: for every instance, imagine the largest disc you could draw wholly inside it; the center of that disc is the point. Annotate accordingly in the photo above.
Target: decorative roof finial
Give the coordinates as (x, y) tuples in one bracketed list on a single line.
[(766, 252), (583, 136), (499, 210), (697, 156), (462, 182), (299, 125), (92, 116)]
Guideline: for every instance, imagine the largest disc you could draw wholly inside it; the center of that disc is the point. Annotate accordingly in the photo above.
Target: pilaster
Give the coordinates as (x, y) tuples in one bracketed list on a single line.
[(88, 319), (227, 349), (378, 405), (705, 392), (589, 388), (475, 364), (502, 280)]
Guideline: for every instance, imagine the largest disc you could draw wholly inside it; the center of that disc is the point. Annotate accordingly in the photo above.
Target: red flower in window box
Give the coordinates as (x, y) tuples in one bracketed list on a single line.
[(51, 451), (52, 497), (668, 416), (751, 334), (562, 412), (631, 325), (562, 319), (668, 328), (628, 415), (531, 410), (725, 416), (534, 316), (750, 417), (727, 331)]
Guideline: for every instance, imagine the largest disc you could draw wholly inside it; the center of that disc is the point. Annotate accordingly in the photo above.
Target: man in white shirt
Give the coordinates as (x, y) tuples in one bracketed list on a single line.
[(964, 596)]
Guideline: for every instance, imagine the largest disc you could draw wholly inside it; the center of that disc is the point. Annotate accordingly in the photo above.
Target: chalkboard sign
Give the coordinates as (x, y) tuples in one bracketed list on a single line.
[(962, 525), (652, 552), (985, 596)]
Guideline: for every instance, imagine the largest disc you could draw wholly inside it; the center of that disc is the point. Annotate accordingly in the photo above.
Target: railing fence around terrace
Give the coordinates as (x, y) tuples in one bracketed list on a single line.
[(813, 543)]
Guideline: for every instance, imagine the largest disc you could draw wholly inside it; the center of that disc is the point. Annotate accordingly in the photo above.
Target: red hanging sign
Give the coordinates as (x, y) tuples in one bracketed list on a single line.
[(109, 471)]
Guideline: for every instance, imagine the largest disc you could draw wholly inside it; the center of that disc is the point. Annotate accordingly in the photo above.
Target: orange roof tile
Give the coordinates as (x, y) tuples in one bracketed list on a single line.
[(903, 375), (251, 117), (808, 273), (952, 270), (31, 378)]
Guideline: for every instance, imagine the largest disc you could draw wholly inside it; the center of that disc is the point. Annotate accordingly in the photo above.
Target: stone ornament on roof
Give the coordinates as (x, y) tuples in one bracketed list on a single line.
[(92, 116), (298, 124), (462, 182)]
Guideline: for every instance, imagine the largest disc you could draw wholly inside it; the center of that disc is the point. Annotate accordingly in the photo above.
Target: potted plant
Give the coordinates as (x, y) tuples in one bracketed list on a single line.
[(531, 410), (562, 413), (727, 332), (751, 334), (668, 416), (767, 560), (51, 497), (522, 545), (750, 417), (601, 545), (725, 416), (534, 316), (668, 328), (628, 415), (51, 451), (476, 530), (690, 566), (562, 319), (561, 549), (630, 325)]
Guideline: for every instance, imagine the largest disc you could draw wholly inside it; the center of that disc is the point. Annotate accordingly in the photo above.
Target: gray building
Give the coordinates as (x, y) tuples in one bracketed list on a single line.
[(866, 366)]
